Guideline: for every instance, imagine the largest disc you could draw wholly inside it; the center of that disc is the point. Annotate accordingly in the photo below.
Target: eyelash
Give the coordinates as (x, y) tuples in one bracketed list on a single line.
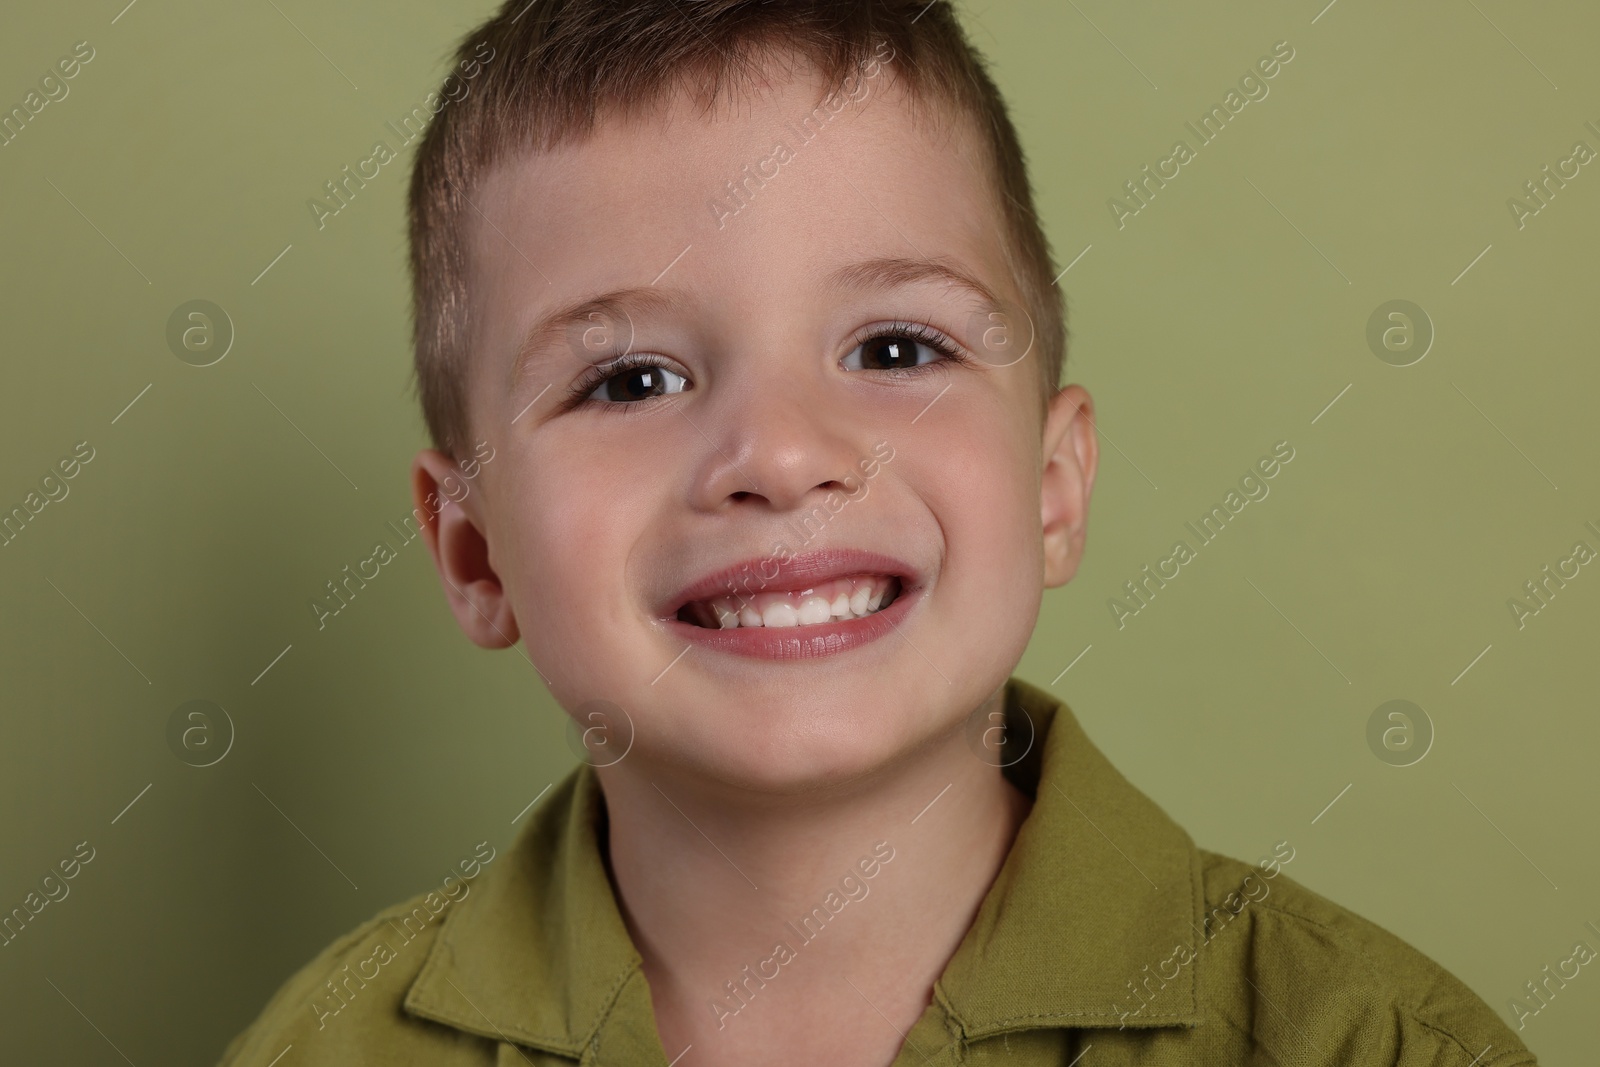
[(921, 332), (597, 376)]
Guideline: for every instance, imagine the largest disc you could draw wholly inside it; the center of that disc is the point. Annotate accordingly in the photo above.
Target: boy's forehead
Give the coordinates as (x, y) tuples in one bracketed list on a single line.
[(765, 192)]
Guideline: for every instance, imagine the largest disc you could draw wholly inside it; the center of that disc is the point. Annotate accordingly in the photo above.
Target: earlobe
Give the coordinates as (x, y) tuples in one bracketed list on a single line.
[(453, 531), (1071, 454)]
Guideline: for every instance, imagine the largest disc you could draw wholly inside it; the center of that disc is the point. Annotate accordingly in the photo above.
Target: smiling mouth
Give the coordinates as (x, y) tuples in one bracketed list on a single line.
[(836, 600)]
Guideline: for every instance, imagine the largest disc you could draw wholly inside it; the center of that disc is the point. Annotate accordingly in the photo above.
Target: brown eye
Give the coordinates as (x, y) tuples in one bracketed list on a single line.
[(888, 353), (899, 348), (636, 383)]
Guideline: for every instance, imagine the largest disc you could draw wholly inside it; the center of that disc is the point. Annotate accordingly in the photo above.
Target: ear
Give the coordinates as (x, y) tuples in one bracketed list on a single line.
[(453, 528), (1071, 451)]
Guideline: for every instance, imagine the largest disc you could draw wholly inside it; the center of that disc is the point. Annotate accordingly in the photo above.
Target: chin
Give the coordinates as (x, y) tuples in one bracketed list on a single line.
[(777, 746)]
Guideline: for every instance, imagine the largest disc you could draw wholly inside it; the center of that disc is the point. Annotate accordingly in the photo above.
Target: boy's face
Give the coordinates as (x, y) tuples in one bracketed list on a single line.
[(764, 432)]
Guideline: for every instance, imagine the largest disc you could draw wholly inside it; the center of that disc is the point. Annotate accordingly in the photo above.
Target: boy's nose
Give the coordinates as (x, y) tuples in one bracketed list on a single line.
[(777, 451)]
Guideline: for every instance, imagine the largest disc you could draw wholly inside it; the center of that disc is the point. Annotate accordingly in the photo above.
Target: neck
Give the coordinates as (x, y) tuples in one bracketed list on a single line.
[(750, 914)]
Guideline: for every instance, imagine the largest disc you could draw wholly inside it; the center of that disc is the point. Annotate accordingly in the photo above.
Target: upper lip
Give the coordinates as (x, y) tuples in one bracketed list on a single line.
[(796, 573)]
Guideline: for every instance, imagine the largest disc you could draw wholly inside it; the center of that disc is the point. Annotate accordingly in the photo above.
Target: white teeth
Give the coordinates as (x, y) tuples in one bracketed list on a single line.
[(814, 609), (838, 599), (779, 613)]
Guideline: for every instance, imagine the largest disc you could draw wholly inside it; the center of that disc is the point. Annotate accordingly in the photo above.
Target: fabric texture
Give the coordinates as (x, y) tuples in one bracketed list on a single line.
[(1106, 928)]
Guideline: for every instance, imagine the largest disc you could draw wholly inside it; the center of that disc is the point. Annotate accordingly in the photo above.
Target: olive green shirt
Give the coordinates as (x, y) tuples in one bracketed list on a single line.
[(1107, 935)]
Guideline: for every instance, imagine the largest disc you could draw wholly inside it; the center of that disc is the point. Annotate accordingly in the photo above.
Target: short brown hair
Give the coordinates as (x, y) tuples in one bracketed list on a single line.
[(558, 65)]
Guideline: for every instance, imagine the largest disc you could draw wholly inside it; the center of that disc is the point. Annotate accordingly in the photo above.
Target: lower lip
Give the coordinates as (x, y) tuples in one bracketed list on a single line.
[(800, 642)]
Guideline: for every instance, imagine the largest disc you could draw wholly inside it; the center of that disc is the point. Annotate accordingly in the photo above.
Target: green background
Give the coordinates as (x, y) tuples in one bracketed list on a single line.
[(1221, 319)]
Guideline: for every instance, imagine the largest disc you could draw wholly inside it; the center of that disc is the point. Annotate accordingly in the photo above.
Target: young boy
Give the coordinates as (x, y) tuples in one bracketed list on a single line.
[(752, 302)]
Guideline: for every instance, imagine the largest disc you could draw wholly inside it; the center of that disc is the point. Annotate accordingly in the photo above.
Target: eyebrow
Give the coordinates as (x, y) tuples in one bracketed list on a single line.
[(611, 307), (892, 272), (879, 274)]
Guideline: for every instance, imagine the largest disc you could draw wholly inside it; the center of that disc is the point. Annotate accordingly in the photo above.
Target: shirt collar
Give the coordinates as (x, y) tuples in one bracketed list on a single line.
[(538, 953), (1099, 887)]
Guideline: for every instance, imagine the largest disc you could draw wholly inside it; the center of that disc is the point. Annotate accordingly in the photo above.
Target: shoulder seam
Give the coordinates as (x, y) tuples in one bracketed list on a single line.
[(1405, 1004), (1508, 1057), (251, 1036), (340, 947)]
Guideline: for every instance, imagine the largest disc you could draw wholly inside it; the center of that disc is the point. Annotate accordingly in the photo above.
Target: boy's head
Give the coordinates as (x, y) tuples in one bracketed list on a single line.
[(752, 302)]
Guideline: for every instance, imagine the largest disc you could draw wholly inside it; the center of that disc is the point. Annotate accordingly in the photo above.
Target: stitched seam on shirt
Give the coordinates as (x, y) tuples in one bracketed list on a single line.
[(1197, 895), (1174, 1016), (1502, 1058), (950, 1013), (256, 1034), (1197, 888), (1352, 949), (1400, 1002), (473, 1024), (966, 1037), (605, 1012), (1420, 1021)]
